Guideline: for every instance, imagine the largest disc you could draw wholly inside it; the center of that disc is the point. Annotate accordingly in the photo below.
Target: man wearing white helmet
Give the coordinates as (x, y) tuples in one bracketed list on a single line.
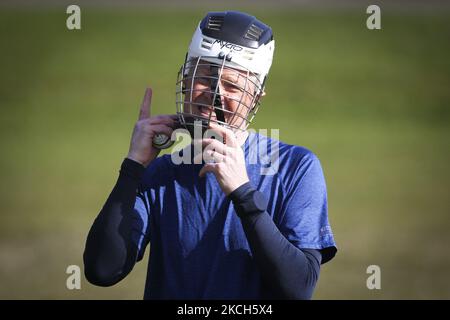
[(220, 226)]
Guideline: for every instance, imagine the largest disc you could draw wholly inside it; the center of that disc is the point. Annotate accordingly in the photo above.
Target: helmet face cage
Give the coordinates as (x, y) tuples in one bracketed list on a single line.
[(204, 94)]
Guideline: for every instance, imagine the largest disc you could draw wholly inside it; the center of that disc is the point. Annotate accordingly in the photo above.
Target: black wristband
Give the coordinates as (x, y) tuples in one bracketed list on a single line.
[(248, 201), (132, 169)]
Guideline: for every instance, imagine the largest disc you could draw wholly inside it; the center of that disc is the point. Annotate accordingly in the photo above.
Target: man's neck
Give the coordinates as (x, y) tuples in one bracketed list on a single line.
[(241, 137)]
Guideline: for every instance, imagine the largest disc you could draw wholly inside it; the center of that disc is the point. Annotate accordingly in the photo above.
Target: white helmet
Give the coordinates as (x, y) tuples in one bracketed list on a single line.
[(244, 41), (225, 40)]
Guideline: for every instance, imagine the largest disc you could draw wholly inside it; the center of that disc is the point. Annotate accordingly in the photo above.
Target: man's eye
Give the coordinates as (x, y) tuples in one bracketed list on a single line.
[(232, 87)]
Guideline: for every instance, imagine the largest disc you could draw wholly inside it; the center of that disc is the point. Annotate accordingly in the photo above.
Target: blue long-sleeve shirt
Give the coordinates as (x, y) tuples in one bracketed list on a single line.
[(200, 247)]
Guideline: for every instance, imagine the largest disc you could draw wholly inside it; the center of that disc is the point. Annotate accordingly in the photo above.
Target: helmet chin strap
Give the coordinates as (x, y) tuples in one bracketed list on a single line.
[(217, 103)]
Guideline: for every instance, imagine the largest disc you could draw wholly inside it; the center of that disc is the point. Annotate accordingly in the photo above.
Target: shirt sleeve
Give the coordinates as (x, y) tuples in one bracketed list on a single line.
[(154, 175), (141, 229), (304, 220), (111, 250), (291, 273)]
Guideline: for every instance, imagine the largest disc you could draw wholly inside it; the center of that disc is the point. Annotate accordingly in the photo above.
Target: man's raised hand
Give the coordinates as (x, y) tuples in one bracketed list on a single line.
[(141, 145)]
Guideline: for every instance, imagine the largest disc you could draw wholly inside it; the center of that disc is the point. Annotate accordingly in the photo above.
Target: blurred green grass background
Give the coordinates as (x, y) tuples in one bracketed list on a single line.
[(373, 105)]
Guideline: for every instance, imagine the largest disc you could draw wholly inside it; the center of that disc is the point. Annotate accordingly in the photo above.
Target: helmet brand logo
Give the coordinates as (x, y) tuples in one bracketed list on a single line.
[(228, 45)]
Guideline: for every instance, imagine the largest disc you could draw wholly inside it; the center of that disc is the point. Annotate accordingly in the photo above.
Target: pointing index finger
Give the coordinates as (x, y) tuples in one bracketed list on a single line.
[(145, 110)]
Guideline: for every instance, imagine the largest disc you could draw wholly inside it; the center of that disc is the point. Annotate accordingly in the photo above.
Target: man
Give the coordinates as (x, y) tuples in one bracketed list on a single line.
[(221, 226)]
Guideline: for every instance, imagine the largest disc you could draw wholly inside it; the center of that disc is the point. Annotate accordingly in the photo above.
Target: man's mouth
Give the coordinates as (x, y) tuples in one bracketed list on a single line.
[(206, 111)]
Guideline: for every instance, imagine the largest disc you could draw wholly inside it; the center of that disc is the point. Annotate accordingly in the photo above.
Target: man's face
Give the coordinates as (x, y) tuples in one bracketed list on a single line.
[(237, 92)]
